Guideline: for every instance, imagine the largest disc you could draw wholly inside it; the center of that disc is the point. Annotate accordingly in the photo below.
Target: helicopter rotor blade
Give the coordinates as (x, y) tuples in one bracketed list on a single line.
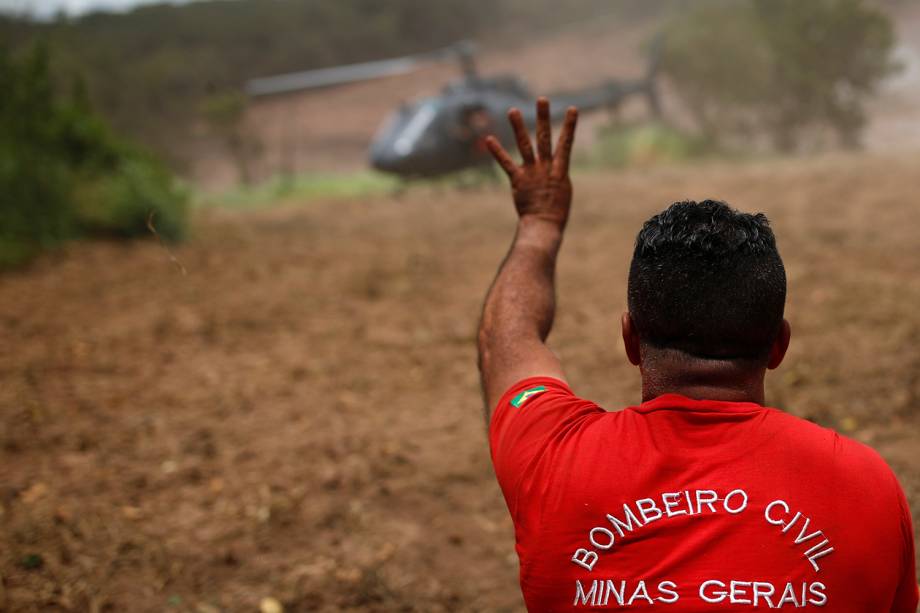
[(351, 73)]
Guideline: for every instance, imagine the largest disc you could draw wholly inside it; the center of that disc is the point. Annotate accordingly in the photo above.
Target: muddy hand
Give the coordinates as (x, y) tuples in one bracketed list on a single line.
[(540, 185)]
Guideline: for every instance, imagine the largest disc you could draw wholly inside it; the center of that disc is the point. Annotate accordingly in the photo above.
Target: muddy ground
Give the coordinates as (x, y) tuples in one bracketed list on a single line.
[(297, 415)]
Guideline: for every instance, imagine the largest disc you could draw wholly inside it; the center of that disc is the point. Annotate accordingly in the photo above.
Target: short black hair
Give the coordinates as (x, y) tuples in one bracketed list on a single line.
[(707, 280)]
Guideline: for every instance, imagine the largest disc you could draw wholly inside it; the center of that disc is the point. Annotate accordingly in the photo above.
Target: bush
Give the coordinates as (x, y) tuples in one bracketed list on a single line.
[(63, 173), (33, 213), (122, 202), (645, 144), (780, 69)]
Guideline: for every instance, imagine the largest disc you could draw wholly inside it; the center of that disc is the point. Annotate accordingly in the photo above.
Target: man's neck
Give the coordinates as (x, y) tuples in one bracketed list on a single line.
[(665, 372)]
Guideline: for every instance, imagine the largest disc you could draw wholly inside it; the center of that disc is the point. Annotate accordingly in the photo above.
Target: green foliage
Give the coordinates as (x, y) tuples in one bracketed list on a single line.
[(307, 186), (32, 561), (63, 173), (783, 69), (123, 203), (644, 145)]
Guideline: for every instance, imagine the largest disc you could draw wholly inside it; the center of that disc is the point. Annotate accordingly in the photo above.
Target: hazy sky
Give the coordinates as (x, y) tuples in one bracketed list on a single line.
[(45, 8)]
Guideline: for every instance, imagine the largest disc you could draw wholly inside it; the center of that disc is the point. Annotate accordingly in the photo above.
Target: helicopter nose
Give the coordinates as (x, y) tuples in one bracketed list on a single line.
[(387, 160), (383, 163)]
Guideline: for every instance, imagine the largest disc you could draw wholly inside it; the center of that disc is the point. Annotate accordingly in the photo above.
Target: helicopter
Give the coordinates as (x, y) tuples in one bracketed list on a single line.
[(443, 134)]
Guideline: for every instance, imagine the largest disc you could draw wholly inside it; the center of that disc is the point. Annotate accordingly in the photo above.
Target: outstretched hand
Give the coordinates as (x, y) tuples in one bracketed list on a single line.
[(540, 185)]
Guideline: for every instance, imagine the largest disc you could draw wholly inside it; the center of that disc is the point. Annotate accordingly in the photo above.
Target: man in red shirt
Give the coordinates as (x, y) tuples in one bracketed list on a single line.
[(700, 498)]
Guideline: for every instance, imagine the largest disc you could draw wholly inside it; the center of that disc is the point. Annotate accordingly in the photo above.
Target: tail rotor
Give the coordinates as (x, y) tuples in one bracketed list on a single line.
[(650, 81)]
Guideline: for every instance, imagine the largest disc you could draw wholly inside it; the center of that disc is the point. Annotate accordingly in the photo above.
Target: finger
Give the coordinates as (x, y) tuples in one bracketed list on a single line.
[(566, 139), (544, 131), (521, 136), (501, 156)]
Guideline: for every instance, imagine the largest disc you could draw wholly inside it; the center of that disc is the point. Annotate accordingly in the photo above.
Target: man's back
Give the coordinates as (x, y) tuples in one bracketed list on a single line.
[(688, 505), (696, 505)]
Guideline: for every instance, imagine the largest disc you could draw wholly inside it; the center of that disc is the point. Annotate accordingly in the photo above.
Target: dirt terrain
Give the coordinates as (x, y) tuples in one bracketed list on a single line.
[(292, 411)]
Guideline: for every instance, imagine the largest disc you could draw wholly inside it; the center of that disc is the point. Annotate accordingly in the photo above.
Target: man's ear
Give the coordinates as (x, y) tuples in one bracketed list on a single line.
[(630, 339), (780, 345)]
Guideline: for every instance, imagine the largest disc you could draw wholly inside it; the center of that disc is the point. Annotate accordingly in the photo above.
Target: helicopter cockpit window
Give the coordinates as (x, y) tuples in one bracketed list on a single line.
[(415, 128), (474, 122)]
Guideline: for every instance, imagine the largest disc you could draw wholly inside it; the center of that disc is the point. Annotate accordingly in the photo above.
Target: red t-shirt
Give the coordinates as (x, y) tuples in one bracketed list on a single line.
[(696, 505)]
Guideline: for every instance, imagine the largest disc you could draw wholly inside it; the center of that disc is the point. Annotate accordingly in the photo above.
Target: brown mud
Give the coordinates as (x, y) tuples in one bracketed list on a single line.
[(298, 416)]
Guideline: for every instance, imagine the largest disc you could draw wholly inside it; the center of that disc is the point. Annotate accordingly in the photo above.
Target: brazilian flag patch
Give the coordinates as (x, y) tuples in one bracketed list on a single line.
[(526, 395)]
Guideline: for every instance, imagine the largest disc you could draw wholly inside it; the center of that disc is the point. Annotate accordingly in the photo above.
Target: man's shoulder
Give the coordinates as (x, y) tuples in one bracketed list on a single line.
[(809, 438)]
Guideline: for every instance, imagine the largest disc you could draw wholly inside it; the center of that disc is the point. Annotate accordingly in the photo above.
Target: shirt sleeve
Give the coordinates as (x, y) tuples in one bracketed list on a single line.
[(529, 417), (906, 597)]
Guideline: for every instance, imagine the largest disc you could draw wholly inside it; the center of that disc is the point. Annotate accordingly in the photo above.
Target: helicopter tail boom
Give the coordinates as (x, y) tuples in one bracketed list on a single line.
[(364, 71), (611, 94)]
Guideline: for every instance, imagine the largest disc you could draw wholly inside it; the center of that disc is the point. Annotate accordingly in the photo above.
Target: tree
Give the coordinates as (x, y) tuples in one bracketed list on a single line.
[(783, 69), (225, 114), (65, 173)]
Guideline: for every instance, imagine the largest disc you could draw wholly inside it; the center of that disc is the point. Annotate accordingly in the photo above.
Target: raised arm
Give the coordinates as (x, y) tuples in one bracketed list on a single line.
[(520, 306)]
